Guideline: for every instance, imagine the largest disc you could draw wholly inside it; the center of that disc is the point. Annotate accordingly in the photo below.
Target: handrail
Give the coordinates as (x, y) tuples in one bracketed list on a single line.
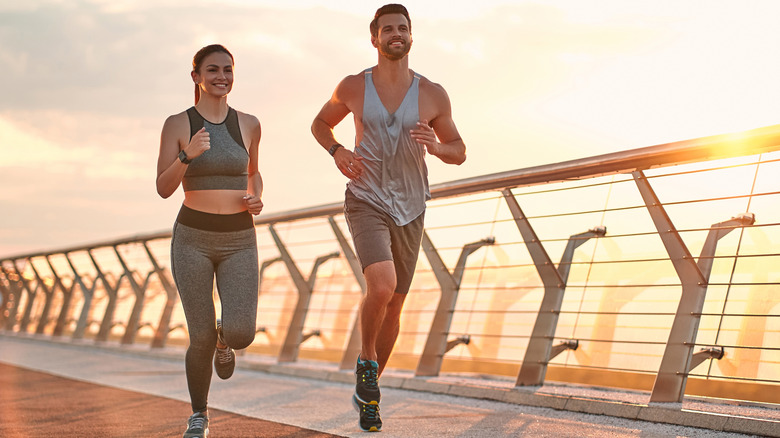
[(614, 319), (750, 142), (766, 139)]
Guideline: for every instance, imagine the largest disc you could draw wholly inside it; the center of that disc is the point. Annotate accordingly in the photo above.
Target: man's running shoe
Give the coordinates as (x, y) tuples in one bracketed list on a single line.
[(367, 388), (225, 358), (197, 426), (369, 415)]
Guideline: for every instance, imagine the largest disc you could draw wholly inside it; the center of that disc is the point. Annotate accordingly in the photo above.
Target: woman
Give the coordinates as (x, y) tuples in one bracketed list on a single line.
[(211, 150)]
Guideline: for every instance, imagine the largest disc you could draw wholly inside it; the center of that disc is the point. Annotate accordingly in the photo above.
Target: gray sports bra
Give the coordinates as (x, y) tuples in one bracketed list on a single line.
[(224, 165)]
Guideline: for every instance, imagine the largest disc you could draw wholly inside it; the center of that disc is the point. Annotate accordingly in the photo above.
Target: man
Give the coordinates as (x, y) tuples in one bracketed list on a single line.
[(399, 115)]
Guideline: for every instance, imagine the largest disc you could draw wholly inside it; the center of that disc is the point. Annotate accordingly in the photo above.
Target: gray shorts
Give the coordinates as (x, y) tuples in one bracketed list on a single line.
[(377, 238)]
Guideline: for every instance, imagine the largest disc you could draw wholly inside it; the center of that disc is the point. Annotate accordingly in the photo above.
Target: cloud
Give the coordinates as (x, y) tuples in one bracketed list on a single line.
[(91, 82)]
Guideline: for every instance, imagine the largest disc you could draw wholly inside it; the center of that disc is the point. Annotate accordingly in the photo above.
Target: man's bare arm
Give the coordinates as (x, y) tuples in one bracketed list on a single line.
[(331, 114), (440, 136)]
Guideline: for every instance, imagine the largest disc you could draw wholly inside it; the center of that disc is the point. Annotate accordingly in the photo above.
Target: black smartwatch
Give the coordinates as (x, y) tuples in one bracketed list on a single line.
[(183, 158), (334, 148)]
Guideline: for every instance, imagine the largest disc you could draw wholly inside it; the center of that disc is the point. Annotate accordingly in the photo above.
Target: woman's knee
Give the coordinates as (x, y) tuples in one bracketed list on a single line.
[(203, 344), (239, 337)]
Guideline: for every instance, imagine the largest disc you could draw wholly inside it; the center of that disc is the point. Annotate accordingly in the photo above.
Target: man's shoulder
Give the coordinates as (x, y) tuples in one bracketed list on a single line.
[(350, 88), (354, 80), (428, 84), (432, 89)]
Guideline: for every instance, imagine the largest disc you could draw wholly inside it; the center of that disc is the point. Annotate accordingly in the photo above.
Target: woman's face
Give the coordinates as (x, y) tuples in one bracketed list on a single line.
[(215, 76)]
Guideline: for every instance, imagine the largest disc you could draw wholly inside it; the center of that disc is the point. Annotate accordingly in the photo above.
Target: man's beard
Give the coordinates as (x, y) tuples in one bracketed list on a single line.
[(394, 54)]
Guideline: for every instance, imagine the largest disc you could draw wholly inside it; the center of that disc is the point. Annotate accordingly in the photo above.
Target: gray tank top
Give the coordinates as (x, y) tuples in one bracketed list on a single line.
[(395, 178), (224, 165)]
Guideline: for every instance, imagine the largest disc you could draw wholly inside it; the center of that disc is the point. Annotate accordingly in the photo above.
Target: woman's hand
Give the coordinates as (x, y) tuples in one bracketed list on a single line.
[(199, 143), (254, 204)]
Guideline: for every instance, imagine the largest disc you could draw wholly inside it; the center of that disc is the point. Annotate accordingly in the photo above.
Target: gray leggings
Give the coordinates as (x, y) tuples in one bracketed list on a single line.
[(228, 250)]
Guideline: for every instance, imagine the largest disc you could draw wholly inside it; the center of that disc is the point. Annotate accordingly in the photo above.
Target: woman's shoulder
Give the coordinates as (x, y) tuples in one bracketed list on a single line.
[(248, 123), (246, 118), (177, 120)]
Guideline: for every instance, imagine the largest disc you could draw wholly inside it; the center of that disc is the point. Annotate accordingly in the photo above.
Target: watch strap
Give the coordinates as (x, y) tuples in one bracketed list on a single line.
[(183, 157)]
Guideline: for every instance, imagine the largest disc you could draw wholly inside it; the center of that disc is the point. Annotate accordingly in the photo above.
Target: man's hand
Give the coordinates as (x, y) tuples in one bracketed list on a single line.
[(452, 151), (349, 163), (425, 136)]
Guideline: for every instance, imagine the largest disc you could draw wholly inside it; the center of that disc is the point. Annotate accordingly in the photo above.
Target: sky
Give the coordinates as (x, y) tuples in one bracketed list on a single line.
[(89, 83)]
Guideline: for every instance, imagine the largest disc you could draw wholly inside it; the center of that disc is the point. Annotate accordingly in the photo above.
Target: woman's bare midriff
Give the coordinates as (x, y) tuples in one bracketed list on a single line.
[(216, 201)]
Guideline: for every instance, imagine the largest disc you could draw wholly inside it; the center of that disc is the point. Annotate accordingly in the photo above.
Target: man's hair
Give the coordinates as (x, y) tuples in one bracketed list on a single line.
[(392, 8)]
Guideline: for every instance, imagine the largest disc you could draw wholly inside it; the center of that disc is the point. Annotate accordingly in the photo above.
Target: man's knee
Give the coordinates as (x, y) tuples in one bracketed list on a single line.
[(381, 294), (381, 280), (395, 305)]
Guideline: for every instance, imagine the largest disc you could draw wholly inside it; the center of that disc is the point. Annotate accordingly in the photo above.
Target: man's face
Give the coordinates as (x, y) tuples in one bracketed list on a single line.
[(394, 38)]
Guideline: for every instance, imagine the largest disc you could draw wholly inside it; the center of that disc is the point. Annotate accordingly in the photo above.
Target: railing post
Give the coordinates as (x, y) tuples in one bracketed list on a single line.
[(668, 388), (436, 345), (17, 287), (353, 348), (67, 296), (163, 326), (12, 294), (88, 293), (5, 293), (540, 348), (48, 293), (574, 242), (717, 232), (5, 290), (672, 375), (31, 294), (292, 342), (140, 291), (111, 293)]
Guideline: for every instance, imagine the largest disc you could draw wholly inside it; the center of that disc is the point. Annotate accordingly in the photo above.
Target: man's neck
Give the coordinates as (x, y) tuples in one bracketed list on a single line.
[(392, 71)]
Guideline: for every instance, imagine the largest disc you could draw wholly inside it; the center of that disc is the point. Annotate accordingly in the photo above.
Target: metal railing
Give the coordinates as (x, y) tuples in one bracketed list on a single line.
[(629, 302)]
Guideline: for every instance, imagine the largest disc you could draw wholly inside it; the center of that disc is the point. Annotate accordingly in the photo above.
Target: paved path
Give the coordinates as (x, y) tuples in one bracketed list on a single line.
[(35, 404), (307, 404)]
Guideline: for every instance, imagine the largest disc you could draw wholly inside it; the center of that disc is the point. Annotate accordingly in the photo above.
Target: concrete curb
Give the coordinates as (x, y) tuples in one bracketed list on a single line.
[(668, 413)]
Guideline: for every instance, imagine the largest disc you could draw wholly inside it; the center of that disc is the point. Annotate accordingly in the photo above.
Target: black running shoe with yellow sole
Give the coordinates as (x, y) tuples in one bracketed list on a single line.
[(369, 415)]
